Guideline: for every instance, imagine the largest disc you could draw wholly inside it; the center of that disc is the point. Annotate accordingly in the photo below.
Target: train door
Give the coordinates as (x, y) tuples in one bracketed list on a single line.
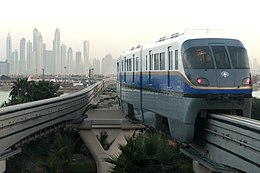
[(134, 69), (124, 69), (150, 67), (224, 72)]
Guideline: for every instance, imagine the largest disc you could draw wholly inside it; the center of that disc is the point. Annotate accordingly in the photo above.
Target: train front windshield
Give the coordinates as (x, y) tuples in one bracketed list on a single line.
[(219, 62), (211, 57)]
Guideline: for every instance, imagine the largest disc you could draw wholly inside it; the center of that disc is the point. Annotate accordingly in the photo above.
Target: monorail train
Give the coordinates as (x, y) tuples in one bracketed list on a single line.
[(183, 77)]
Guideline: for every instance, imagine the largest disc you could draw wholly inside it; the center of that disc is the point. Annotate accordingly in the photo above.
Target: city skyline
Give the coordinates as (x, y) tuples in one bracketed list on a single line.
[(114, 26), (34, 58)]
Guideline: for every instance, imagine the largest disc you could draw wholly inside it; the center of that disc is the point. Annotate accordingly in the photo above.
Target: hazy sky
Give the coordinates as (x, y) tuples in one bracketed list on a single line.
[(112, 26)]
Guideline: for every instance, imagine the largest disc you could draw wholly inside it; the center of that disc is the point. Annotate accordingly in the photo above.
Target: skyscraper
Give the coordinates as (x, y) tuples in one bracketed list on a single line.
[(78, 64), (49, 62), (64, 64), (22, 65), (13, 62), (70, 61), (38, 53), (96, 66), (35, 39), (86, 55), (29, 58), (56, 51), (4, 68), (108, 65), (8, 47)]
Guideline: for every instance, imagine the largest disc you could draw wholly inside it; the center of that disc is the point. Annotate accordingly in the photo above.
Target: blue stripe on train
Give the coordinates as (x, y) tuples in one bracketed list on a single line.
[(176, 84)]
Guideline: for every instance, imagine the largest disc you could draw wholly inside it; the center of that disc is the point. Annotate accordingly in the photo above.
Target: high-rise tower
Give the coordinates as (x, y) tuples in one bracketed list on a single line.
[(64, 64), (70, 61), (86, 55), (8, 47), (78, 65), (37, 51), (29, 58), (22, 65), (56, 51), (35, 39)]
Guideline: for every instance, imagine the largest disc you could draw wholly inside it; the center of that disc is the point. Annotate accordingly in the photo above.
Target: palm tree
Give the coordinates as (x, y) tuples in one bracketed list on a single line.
[(45, 89), (21, 91), (102, 138), (146, 153), (26, 91)]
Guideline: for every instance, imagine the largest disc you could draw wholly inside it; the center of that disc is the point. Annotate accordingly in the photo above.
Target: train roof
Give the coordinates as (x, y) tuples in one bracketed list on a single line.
[(175, 38)]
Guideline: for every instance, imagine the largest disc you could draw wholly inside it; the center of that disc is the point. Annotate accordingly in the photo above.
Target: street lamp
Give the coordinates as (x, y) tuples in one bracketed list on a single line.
[(43, 73)]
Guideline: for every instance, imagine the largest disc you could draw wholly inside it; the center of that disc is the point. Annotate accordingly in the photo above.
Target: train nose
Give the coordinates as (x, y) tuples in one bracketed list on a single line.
[(225, 78)]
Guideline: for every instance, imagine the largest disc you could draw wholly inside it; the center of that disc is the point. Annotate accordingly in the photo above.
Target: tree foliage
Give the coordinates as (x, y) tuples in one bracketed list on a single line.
[(103, 140), (26, 91), (147, 154), (57, 153)]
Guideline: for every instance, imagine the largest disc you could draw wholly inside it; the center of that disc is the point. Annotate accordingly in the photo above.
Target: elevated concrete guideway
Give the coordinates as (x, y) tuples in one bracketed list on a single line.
[(111, 120), (22, 123)]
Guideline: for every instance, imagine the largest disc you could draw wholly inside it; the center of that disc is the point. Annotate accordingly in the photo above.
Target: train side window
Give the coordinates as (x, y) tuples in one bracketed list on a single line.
[(146, 63), (156, 61), (151, 60), (117, 66), (162, 61), (137, 63), (176, 60), (125, 64), (122, 65), (133, 62), (130, 64), (221, 57), (170, 59)]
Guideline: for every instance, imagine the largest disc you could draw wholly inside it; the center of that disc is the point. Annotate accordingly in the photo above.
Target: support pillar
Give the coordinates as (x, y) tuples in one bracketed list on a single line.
[(98, 152), (199, 168), (114, 122), (2, 166)]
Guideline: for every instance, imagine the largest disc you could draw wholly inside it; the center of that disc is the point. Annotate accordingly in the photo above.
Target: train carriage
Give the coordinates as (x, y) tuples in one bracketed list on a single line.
[(182, 77)]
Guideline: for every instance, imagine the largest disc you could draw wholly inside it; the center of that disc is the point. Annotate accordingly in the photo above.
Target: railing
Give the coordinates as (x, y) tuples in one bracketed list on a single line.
[(230, 140)]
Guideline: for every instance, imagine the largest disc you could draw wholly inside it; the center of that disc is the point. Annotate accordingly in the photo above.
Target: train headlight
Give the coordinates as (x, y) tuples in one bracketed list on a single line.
[(246, 81), (202, 81)]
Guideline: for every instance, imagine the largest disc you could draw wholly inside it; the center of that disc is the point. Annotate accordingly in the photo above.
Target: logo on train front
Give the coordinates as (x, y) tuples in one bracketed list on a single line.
[(224, 74)]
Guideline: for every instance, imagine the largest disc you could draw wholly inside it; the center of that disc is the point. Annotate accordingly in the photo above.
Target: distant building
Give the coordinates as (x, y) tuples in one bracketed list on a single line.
[(13, 63), (255, 66), (79, 68), (64, 64), (56, 51), (38, 52), (70, 62), (108, 65), (86, 55), (29, 61), (4, 68), (96, 66), (8, 47), (22, 64), (49, 67)]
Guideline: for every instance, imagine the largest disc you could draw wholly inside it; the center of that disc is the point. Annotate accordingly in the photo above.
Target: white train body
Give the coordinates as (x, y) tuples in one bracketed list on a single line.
[(181, 77)]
